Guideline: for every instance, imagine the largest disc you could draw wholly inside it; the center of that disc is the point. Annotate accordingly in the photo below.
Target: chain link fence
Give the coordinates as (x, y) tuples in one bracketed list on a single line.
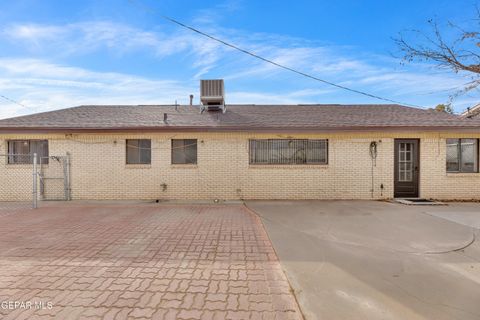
[(25, 179), (17, 177)]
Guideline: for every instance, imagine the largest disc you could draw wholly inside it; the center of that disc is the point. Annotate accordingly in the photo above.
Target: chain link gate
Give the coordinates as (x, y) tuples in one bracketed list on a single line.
[(54, 178), (26, 178)]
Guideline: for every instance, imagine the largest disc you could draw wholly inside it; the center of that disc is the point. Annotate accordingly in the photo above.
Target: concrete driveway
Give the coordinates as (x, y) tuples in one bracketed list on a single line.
[(378, 260), (72, 261)]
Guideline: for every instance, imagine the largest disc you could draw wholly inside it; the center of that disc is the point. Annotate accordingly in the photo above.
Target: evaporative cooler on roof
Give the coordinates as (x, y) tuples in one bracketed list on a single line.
[(212, 94)]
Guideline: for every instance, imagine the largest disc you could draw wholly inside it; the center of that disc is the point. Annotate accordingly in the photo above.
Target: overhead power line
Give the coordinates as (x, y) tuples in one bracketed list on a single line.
[(304, 74), (13, 101)]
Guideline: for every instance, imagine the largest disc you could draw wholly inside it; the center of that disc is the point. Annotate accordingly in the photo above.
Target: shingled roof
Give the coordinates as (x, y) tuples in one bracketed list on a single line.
[(237, 118)]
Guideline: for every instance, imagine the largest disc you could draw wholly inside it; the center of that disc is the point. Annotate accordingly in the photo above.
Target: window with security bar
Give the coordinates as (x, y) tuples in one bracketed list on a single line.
[(21, 151), (288, 151), (462, 155)]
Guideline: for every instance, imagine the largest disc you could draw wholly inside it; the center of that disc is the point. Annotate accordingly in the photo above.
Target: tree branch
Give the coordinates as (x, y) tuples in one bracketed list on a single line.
[(460, 54)]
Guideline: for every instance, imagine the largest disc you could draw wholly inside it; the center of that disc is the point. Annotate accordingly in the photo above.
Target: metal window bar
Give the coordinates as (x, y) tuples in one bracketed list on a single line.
[(288, 151), (22, 150), (462, 155)]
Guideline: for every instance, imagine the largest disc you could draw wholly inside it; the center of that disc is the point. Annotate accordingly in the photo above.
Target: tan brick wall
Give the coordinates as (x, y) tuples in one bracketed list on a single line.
[(98, 169), (435, 182), (15, 181)]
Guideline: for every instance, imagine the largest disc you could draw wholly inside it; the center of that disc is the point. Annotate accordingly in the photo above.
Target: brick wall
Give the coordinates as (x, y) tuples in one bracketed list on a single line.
[(435, 182), (98, 169)]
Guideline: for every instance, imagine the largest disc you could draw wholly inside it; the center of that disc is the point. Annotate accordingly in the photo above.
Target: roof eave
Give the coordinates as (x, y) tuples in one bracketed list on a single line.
[(70, 130)]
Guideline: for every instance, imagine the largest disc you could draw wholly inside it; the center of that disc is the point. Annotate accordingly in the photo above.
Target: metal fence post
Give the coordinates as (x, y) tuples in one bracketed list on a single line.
[(34, 181), (67, 177)]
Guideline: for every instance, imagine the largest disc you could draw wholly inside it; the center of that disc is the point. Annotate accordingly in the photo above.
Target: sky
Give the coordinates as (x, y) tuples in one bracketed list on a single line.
[(58, 54)]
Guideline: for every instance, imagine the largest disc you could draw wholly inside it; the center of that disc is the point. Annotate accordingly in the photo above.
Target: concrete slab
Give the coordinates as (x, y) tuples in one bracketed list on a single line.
[(376, 260), (467, 214)]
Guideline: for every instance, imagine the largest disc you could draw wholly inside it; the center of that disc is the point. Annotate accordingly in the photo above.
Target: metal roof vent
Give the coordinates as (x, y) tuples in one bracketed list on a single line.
[(212, 94)]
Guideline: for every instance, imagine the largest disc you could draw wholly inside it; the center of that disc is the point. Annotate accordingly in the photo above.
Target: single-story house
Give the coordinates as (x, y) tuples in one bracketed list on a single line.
[(218, 151)]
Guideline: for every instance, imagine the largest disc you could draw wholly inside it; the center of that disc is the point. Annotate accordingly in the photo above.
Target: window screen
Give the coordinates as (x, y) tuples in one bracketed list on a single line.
[(283, 151), (184, 151), (139, 151), (21, 151), (462, 155)]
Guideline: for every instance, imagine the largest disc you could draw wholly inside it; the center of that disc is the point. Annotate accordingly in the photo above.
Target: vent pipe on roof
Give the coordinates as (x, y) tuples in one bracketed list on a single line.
[(191, 100), (165, 116)]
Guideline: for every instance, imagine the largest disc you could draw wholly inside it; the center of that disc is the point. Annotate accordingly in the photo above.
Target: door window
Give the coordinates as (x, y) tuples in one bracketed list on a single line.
[(405, 162)]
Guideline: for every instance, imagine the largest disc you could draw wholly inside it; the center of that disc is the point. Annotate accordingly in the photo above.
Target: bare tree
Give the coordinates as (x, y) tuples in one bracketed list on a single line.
[(461, 54), (444, 108)]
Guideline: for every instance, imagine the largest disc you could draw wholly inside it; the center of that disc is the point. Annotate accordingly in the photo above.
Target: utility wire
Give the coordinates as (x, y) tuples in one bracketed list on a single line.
[(13, 101), (183, 25)]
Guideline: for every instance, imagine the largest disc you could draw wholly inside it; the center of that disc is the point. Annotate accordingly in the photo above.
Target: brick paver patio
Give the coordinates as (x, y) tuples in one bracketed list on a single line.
[(140, 262)]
